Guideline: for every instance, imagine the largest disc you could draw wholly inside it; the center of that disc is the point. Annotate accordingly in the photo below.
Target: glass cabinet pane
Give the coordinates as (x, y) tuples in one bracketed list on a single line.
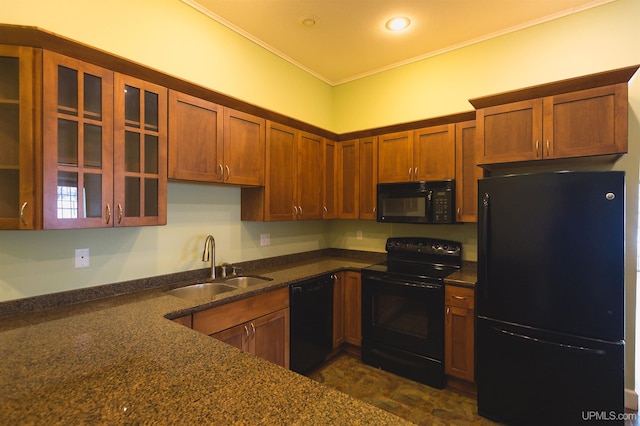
[(132, 196), (67, 195), (92, 97), (9, 134), (93, 194), (9, 78), (151, 111), (150, 197), (131, 152), (67, 90), (10, 195), (132, 106), (92, 146), (67, 142), (150, 154)]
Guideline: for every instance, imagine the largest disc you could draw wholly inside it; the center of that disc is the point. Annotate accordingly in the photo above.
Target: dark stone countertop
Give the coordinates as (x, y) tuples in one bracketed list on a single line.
[(120, 360)]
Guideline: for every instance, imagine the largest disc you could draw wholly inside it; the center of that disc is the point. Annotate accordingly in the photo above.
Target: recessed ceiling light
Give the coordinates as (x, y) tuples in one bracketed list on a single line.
[(309, 21), (398, 24)]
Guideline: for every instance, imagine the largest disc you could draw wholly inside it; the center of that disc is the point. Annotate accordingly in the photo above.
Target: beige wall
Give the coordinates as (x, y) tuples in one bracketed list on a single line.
[(172, 37)]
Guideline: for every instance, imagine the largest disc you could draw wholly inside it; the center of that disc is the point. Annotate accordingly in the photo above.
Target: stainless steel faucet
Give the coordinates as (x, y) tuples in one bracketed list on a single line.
[(210, 251)]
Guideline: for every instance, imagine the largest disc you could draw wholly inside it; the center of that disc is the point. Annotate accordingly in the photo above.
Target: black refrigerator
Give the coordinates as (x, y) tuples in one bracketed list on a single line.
[(550, 298)]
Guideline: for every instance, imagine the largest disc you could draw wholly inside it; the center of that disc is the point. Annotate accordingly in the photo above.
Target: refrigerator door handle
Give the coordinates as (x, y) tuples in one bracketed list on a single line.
[(546, 342), (484, 252)]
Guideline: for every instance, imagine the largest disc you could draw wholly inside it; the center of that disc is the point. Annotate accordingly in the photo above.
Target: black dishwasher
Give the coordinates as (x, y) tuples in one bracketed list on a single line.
[(311, 311)]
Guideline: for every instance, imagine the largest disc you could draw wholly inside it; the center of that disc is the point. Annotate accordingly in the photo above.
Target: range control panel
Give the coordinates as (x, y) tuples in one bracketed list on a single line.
[(418, 246)]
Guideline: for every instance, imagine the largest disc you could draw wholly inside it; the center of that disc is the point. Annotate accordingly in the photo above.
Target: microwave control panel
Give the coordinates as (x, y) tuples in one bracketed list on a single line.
[(441, 204)]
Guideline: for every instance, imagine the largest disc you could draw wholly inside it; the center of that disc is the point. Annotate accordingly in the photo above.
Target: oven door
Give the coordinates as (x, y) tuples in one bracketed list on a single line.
[(406, 314)]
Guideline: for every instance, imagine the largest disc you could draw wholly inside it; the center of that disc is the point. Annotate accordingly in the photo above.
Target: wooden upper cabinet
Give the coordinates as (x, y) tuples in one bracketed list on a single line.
[(348, 179), (280, 184), (20, 142), (310, 177), (78, 145), (244, 148), (423, 154), (467, 173), (395, 161), (569, 119), (368, 176), (140, 152), (585, 123), (195, 138), (330, 187), (211, 143), (434, 153)]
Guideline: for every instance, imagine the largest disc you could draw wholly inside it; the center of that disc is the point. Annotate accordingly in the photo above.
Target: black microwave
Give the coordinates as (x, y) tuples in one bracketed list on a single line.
[(417, 202)]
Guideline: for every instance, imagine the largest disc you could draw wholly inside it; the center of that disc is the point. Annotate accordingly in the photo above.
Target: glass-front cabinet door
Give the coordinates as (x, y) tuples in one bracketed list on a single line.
[(77, 144), (140, 152), (18, 140)]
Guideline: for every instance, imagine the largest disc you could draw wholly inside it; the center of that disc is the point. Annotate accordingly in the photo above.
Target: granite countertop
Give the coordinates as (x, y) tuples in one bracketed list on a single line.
[(120, 360)]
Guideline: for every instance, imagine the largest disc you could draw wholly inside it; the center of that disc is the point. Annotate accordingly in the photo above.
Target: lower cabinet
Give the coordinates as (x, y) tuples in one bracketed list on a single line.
[(258, 324), (459, 332), (352, 308)]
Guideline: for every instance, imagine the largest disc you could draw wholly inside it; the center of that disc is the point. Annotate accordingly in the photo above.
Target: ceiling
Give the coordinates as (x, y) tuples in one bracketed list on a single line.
[(349, 39)]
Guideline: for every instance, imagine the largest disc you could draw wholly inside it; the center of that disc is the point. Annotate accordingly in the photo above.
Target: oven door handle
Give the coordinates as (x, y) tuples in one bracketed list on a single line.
[(394, 281)]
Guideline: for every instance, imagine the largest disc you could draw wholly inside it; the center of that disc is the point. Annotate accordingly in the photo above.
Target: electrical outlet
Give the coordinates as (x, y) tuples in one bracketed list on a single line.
[(358, 234), (82, 258), (265, 239)]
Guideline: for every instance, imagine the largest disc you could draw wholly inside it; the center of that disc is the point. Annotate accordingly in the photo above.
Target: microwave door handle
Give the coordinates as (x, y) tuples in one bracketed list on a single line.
[(429, 205)]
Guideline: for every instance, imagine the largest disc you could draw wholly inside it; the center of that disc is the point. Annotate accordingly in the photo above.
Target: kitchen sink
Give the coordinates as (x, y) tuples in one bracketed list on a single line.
[(201, 291), (245, 281)]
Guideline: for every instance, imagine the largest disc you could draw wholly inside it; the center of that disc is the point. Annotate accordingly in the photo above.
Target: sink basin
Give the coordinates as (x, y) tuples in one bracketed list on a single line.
[(246, 281), (201, 291)]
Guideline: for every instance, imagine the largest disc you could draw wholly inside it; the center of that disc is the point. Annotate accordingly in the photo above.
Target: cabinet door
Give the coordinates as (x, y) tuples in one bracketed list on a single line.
[(244, 145), (348, 179), (459, 343), (353, 308), (280, 183), (19, 140), (434, 153), (330, 194), (585, 123), (310, 177), (368, 177), (77, 144), (467, 173), (140, 152), (271, 337), (195, 135), (238, 336), (338, 309), (509, 133), (395, 157)]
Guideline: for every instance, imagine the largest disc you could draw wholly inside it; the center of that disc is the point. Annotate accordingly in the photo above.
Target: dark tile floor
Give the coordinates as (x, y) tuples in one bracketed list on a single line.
[(415, 402)]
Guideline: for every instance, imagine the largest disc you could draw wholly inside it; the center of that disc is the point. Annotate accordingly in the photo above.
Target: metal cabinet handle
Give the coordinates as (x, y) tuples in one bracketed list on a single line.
[(221, 171), (537, 147), (459, 297), (108, 213), (24, 205), (410, 178), (300, 207), (246, 330), (228, 172), (253, 329), (458, 212), (120, 213), (296, 209), (547, 147), (448, 310), (415, 173), (325, 210)]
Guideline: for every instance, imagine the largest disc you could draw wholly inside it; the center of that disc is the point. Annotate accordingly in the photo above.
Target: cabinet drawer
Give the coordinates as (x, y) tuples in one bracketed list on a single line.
[(462, 297)]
